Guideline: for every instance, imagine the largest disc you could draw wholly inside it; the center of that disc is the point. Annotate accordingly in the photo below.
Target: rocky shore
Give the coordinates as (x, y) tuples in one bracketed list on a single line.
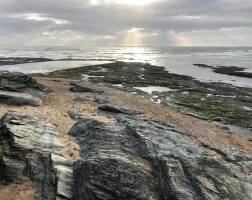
[(228, 70), (19, 60), (102, 138), (214, 101)]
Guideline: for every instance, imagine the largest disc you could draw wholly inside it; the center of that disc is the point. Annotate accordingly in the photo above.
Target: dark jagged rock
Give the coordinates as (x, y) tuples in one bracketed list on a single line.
[(203, 65), (15, 98), (228, 70), (141, 159), (80, 88), (232, 71), (19, 82), (115, 109), (20, 89), (28, 148)]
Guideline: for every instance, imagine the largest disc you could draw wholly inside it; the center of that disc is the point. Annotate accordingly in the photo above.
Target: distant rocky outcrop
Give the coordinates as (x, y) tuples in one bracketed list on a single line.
[(228, 70), (21, 60)]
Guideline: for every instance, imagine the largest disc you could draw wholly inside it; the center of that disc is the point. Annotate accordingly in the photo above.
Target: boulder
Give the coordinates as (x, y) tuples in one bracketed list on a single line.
[(19, 82), (15, 98), (115, 109)]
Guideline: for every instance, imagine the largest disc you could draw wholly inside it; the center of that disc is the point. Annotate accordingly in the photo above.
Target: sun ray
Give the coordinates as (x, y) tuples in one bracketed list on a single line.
[(123, 2)]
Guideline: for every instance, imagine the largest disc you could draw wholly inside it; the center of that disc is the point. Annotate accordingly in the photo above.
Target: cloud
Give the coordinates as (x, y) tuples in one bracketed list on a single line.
[(114, 22)]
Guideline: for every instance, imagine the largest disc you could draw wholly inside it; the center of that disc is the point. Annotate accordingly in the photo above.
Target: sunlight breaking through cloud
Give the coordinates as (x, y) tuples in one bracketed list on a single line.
[(127, 22)]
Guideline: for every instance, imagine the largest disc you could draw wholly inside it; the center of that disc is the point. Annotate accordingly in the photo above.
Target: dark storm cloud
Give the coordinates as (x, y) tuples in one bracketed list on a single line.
[(30, 18)]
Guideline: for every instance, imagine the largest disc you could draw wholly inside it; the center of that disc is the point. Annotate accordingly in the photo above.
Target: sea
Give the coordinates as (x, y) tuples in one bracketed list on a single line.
[(179, 60)]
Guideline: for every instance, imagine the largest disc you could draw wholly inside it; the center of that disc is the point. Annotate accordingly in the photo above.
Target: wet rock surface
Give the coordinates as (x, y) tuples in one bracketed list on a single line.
[(140, 159)]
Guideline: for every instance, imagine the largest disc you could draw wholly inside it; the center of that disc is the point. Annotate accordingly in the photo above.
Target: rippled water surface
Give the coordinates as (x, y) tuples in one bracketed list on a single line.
[(178, 60)]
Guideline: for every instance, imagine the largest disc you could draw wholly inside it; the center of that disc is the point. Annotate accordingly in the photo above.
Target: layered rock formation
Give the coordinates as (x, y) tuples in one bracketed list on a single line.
[(29, 149), (132, 159), (139, 159)]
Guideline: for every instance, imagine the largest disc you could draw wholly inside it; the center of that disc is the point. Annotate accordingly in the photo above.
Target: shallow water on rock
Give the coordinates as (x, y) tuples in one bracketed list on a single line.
[(45, 67), (151, 89)]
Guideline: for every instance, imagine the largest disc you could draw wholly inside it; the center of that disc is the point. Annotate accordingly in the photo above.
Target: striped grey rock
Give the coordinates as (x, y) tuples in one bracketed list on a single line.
[(146, 160), (28, 149)]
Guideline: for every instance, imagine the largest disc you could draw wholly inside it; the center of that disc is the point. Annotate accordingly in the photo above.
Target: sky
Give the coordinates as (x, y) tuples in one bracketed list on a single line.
[(126, 22)]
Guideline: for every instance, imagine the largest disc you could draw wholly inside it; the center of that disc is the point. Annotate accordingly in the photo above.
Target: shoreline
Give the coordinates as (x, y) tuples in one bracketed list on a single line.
[(222, 73)]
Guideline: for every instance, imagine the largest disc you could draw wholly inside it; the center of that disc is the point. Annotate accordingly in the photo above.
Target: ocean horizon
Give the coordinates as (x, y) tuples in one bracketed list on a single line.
[(179, 60)]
